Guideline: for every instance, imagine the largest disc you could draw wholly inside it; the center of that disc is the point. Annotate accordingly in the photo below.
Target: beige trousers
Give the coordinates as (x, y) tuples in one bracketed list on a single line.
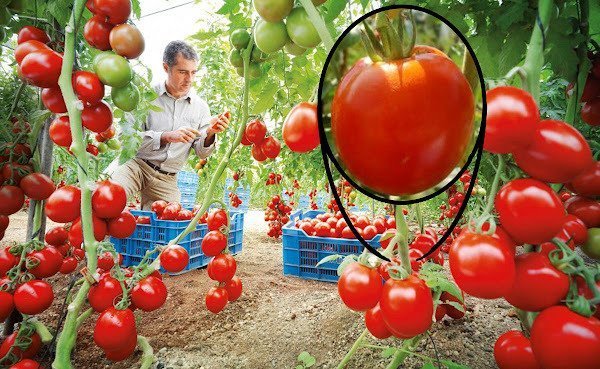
[(136, 176)]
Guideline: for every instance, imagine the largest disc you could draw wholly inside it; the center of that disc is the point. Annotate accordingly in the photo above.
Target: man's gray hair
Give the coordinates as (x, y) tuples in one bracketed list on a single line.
[(176, 47)]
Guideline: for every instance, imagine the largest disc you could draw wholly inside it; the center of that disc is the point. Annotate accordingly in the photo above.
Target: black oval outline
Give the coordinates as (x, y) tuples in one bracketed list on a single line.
[(327, 153)]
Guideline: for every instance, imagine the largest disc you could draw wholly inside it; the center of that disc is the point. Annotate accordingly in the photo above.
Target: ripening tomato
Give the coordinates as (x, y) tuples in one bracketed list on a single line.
[(122, 226), (529, 210), (216, 299), (149, 294), (273, 11), (561, 338), (301, 30), (64, 205), (406, 306), (513, 350), (114, 328), (377, 93), (270, 37), (88, 87), (359, 287), (375, 324), (217, 219), (127, 40), (24, 49), (33, 297), (221, 268), (557, 153), (234, 288), (481, 265), (271, 147), (512, 116), (60, 131), (117, 11), (213, 243), (96, 32), (109, 199), (32, 33), (37, 186), (76, 233), (255, 131), (257, 153), (587, 183), (300, 130), (53, 100), (42, 68), (174, 258)]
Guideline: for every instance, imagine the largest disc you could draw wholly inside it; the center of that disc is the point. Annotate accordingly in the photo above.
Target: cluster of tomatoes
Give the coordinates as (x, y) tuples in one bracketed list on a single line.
[(234, 199), (274, 179), (263, 148), (335, 226), (171, 211), (199, 166), (455, 198), (312, 195), (222, 266), (590, 111), (420, 245), (346, 192), (531, 213), (277, 214)]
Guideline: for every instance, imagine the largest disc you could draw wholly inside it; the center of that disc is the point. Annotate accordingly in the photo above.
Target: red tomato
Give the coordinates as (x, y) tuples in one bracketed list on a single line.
[(56, 236), (359, 287), (529, 210), (388, 235), (42, 68), (143, 220), (538, 284), (30, 351), (7, 260), (375, 93), (11, 199), (33, 297), (512, 116), (122, 226), (97, 118), (69, 264), (149, 294), (124, 352), (424, 243), (60, 131), (557, 153), (584, 290), (159, 206), (322, 229), (587, 210), (245, 140), (513, 350), (53, 100), (4, 220), (49, 261), (379, 224), (255, 131), (369, 232), (117, 11), (561, 339), (174, 258), (97, 31), (216, 299), (7, 305), (575, 228), (216, 219), (590, 112), (103, 294), (258, 154), (109, 199), (213, 243), (587, 183), (405, 298), (301, 128), (106, 261), (451, 311), (481, 265), (271, 147), (76, 233), (88, 88), (234, 288), (23, 49), (375, 324), (222, 268), (37, 186), (502, 236), (114, 328), (32, 33), (185, 214)]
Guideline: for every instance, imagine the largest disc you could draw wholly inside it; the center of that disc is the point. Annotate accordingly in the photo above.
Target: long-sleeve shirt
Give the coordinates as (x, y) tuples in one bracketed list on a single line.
[(187, 111)]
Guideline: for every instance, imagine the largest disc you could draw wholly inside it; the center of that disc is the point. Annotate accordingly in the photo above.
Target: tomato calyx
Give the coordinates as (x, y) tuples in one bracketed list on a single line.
[(388, 41)]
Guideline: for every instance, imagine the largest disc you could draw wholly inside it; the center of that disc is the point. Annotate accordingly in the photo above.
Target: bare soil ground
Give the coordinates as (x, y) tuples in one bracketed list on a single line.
[(276, 318)]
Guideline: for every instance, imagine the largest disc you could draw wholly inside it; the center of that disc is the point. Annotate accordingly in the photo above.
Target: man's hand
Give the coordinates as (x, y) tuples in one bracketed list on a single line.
[(218, 124), (183, 134)]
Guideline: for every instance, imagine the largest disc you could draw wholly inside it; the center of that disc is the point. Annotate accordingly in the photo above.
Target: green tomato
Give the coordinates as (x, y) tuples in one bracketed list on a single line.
[(114, 70), (254, 71), (592, 246), (113, 144), (273, 10), (270, 37), (5, 16), (240, 38), (240, 71), (294, 49), (99, 57), (235, 58), (102, 147), (301, 30), (126, 98)]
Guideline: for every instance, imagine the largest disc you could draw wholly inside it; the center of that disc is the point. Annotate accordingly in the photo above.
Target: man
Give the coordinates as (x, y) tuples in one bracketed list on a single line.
[(184, 123)]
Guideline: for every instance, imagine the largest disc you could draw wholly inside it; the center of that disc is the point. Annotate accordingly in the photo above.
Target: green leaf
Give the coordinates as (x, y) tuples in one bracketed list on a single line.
[(60, 10), (135, 6), (329, 258), (456, 305), (452, 365), (347, 260), (428, 365), (334, 8), (389, 352), (266, 98)]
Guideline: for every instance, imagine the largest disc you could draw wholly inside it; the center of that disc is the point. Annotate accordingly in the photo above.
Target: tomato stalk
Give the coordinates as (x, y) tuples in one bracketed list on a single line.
[(147, 352), (357, 344), (419, 213), (403, 352), (41, 330), (317, 21), (494, 188), (82, 318), (68, 336), (583, 65), (402, 230), (534, 57)]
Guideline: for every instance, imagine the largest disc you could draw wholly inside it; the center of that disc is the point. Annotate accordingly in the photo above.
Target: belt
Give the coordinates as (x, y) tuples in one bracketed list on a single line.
[(156, 168)]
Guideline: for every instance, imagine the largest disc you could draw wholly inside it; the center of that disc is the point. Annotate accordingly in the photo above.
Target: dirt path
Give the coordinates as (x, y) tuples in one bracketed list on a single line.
[(276, 318)]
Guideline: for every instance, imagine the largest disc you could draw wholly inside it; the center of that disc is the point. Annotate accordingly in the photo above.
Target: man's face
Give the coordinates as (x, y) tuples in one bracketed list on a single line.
[(181, 75)]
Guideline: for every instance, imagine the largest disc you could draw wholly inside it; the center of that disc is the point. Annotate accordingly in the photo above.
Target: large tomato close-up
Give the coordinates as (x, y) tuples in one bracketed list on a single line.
[(384, 105), (561, 338), (360, 287), (48, 262), (375, 324), (557, 153), (105, 293), (217, 219), (213, 243), (512, 116), (406, 306), (216, 299), (482, 265), (221, 268), (37, 186), (529, 210), (122, 226), (97, 118), (301, 128), (88, 88)]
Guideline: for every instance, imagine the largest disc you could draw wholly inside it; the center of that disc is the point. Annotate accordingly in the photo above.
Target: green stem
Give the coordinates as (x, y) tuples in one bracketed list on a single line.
[(402, 230), (68, 336), (353, 349), (534, 58), (403, 352), (16, 100), (82, 318), (147, 352), (494, 189), (317, 21), (41, 330), (419, 213), (573, 102)]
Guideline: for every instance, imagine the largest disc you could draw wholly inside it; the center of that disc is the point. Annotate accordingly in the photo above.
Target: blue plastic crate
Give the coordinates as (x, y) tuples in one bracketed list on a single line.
[(242, 192), (187, 178), (187, 182), (160, 232), (302, 252)]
